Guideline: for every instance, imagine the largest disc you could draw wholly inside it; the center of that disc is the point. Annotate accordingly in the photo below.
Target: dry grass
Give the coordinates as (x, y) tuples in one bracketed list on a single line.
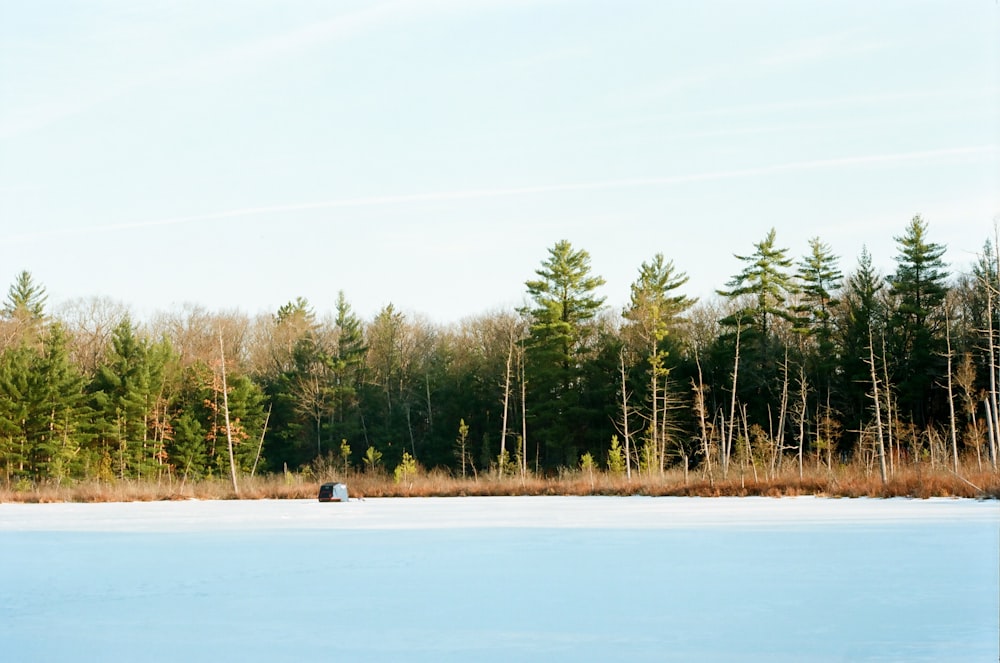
[(847, 481)]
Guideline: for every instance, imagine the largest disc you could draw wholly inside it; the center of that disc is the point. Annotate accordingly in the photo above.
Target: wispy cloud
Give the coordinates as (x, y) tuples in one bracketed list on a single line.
[(226, 61), (822, 47), (232, 59), (474, 194)]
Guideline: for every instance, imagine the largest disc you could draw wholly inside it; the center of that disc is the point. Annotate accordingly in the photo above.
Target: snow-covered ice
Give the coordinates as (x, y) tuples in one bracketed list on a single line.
[(502, 579)]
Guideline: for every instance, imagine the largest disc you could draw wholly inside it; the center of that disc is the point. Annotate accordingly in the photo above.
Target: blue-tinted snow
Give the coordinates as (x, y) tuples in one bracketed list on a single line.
[(502, 579)]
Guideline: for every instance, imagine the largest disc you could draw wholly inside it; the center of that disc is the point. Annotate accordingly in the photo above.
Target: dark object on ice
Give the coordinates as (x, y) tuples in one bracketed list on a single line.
[(333, 492)]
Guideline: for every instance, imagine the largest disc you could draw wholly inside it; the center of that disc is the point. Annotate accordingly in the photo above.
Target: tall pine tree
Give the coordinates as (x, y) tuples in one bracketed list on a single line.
[(564, 303), (654, 309), (917, 324)]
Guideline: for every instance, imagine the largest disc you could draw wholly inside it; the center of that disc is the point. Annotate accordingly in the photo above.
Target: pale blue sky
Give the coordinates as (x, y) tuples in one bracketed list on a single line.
[(239, 153)]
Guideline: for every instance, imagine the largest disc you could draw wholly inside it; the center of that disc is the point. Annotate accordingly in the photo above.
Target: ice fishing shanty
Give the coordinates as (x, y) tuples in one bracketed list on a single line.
[(333, 492)]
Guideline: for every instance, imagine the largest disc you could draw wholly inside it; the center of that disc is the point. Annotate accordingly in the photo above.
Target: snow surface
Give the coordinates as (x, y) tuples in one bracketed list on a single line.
[(502, 579)]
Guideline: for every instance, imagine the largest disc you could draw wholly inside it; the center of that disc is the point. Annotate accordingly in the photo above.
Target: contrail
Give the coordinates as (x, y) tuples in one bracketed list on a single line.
[(471, 194)]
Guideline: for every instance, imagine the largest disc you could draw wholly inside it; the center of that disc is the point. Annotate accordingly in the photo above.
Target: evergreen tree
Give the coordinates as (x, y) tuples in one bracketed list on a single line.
[(23, 314), (41, 394), (311, 384), (188, 449), (291, 383), (564, 304), (980, 297), (820, 279), (760, 294), (347, 368), (56, 452), (125, 395), (862, 322), (17, 409), (917, 323), (25, 299), (246, 414), (766, 284), (653, 310), (386, 378)]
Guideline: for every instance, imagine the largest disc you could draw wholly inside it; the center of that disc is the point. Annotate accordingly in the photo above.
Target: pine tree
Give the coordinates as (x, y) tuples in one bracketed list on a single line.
[(125, 396), (41, 415), (652, 312), (198, 444), (25, 299), (246, 413), (917, 323), (347, 368), (820, 280), (297, 352), (862, 319), (23, 314), (385, 339), (760, 294), (564, 305), (16, 410), (56, 452), (767, 285)]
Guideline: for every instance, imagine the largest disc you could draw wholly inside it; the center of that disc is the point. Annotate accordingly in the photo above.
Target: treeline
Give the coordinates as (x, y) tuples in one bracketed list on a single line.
[(793, 362)]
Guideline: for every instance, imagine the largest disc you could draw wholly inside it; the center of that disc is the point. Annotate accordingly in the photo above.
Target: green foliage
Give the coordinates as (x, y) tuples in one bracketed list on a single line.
[(760, 319), (648, 457), (372, 459), (820, 278), (653, 307), (297, 313), (345, 455), (246, 414), (587, 466), (188, 449), (616, 457), (406, 469), (124, 393), (24, 308), (916, 326), (920, 278), (25, 299), (461, 446), (346, 372), (42, 413), (564, 303), (767, 283), (506, 465), (765, 276), (114, 401), (863, 312)]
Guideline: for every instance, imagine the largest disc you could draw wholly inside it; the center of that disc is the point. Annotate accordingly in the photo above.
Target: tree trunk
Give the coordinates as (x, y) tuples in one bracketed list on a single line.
[(625, 431), (225, 409), (878, 409), (951, 398), (889, 411), (992, 402), (779, 453), (506, 403), (728, 443), (699, 397), (992, 431), (803, 389), (524, 413)]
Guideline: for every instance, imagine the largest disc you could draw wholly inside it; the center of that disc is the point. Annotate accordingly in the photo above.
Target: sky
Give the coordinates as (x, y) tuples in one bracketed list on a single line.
[(238, 154)]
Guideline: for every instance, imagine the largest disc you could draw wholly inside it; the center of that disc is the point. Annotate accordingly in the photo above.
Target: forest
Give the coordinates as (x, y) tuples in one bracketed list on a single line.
[(797, 364)]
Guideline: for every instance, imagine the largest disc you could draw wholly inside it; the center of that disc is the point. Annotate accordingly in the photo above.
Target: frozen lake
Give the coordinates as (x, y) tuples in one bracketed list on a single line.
[(502, 579)]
